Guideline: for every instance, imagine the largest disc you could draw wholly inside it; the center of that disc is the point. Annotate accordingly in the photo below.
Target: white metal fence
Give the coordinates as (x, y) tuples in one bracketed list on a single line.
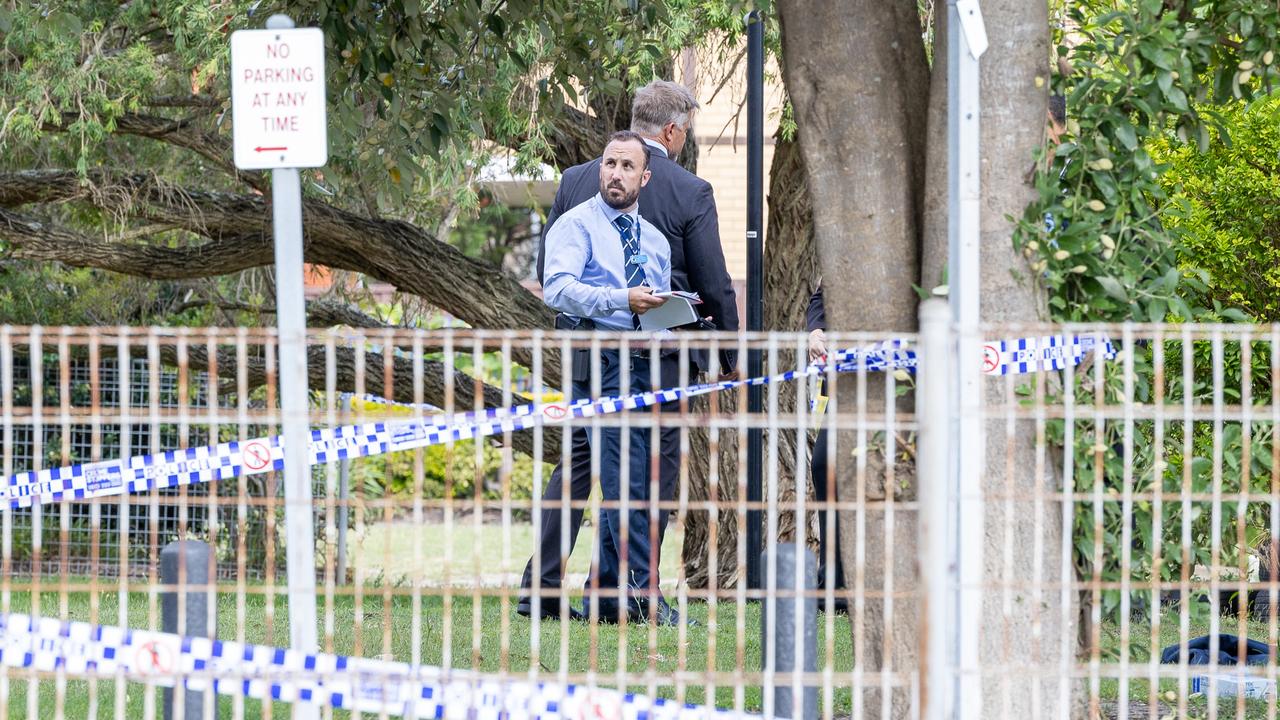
[(1128, 505)]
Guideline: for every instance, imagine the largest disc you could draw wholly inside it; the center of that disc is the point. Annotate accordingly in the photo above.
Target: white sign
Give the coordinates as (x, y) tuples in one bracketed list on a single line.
[(277, 99)]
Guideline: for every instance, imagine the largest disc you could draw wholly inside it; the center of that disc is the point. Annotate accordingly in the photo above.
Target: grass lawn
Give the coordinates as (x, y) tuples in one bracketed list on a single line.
[(487, 555), (466, 575), (503, 642), (1167, 694)]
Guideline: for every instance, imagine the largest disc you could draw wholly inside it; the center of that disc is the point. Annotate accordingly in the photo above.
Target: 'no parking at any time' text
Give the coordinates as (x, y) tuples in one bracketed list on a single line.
[(277, 98)]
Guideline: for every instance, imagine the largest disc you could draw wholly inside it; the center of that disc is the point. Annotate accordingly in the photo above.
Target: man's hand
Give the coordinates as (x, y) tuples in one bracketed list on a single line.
[(731, 376), (817, 345), (641, 300)]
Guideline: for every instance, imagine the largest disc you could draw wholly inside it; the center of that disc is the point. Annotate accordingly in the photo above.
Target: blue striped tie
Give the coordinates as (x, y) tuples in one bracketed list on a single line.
[(630, 256), (630, 250)]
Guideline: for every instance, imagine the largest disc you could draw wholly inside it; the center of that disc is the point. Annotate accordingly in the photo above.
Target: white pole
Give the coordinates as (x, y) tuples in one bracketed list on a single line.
[(286, 207), (966, 41), (934, 381)]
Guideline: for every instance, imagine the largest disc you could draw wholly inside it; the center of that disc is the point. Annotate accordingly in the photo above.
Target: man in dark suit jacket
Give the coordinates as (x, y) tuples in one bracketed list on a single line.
[(682, 206)]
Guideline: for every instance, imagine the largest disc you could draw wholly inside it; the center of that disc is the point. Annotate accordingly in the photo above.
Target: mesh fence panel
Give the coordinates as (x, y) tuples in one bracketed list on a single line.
[(1129, 506)]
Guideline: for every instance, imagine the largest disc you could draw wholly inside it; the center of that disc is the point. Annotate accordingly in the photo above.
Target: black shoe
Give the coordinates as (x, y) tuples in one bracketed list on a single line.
[(606, 612), (550, 610), (839, 606), (665, 615)]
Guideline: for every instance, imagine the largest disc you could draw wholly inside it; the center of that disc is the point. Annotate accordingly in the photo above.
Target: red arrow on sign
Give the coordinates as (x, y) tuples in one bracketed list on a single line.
[(270, 149)]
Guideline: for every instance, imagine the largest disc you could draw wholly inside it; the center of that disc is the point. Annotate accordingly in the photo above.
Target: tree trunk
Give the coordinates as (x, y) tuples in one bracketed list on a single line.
[(710, 549), (1027, 626), (857, 77), (791, 259), (933, 236), (1023, 527)]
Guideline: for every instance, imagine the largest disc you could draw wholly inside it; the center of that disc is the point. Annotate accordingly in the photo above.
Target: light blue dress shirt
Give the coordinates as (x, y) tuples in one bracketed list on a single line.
[(585, 268)]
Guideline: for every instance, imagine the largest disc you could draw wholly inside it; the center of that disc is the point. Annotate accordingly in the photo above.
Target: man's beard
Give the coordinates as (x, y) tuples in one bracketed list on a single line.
[(627, 200)]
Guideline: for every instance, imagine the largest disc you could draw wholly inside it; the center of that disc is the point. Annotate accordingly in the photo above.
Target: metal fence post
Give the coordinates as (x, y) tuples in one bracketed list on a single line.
[(185, 564), (966, 41), (793, 615), (933, 388), (344, 492)]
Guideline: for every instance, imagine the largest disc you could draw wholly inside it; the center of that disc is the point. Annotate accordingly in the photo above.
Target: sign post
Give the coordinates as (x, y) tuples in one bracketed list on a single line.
[(279, 123), (966, 41)]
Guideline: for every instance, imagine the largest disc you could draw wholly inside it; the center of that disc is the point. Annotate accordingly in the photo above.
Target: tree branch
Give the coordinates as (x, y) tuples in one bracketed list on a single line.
[(240, 237), (321, 313), (30, 239), (327, 313), (467, 392), (182, 133), (201, 101)]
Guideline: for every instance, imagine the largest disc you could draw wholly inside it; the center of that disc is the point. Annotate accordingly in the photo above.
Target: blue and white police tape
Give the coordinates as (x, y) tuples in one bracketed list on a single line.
[(1041, 354), (225, 461), (79, 649)]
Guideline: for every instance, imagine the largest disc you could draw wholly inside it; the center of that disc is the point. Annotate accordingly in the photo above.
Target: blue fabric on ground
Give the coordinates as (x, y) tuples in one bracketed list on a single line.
[(1198, 651)]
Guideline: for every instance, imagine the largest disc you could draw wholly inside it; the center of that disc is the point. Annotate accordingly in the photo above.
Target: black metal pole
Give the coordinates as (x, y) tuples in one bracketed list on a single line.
[(755, 287)]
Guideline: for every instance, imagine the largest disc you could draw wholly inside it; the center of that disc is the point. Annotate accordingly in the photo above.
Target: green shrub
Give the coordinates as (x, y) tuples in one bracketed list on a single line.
[(447, 472), (1226, 205)]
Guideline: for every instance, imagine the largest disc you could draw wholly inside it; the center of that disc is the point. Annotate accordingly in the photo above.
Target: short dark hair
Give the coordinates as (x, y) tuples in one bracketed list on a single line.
[(631, 136), (1058, 108)]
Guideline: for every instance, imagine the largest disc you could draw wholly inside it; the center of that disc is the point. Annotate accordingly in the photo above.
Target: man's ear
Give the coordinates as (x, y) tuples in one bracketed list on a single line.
[(644, 179)]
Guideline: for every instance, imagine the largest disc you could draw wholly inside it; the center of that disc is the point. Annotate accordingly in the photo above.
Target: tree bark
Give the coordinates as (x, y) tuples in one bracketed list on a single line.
[(792, 259), (239, 232), (934, 239), (1025, 624), (863, 144), (857, 76), (710, 550), (711, 544)]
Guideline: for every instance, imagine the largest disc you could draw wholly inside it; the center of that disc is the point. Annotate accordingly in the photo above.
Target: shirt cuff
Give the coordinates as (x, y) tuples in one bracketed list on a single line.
[(619, 299)]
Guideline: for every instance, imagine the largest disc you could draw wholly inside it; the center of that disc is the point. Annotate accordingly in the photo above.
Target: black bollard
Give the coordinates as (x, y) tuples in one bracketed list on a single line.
[(780, 643), (195, 560)]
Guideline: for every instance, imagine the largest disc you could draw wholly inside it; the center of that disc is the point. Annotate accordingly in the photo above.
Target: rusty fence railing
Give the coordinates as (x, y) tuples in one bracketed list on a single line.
[(435, 538), (1130, 512), (1128, 505)]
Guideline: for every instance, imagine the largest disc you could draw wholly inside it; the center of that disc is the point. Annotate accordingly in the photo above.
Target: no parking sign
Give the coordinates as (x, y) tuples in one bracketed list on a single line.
[(277, 99)]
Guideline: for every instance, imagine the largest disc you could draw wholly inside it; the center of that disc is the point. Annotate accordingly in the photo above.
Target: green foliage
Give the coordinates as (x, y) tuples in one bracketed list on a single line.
[(1136, 73), (55, 295), (1133, 223), (457, 471), (419, 95), (413, 86), (1142, 540), (1224, 208), (492, 232)]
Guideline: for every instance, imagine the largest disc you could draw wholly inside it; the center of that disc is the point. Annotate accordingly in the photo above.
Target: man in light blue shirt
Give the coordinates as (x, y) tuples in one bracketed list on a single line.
[(603, 264), (589, 271)]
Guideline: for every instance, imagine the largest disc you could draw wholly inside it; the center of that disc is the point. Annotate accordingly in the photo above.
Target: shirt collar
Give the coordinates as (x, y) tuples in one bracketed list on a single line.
[(656, 145), (611, 213)]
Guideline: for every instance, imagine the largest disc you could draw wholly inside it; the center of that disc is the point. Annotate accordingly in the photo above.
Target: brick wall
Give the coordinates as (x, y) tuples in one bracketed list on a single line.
[(721, 131)]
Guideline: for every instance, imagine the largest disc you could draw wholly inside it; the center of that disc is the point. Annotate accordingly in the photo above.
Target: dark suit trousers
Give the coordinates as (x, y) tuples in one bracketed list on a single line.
[(823, 493), (551, 529)]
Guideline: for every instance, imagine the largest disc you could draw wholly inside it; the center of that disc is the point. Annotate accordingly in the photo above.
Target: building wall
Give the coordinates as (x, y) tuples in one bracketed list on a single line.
[(721, 131)]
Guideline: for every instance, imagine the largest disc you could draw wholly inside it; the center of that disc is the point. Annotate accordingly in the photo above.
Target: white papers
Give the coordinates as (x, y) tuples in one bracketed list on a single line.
[(676, 311), (692, 297)]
